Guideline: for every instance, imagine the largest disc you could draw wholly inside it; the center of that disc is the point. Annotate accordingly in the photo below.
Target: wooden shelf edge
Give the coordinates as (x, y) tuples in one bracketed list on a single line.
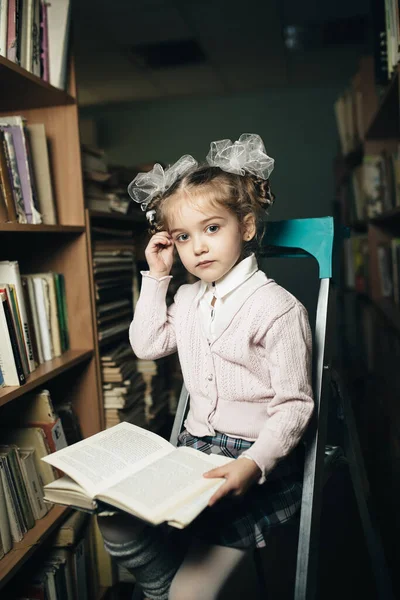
[(44, 373), (52, 96), (22, 550), (21, 227)]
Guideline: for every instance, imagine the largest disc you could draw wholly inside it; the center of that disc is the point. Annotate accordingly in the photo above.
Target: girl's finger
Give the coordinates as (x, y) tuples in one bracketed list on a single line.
[(220, 493), (217, 472)]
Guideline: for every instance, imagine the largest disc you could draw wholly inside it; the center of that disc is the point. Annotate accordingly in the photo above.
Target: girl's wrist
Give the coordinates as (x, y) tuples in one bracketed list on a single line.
[(158, 274)]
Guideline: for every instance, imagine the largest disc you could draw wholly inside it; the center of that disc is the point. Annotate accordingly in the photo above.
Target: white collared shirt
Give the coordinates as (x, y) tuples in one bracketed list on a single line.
[(228, 292)]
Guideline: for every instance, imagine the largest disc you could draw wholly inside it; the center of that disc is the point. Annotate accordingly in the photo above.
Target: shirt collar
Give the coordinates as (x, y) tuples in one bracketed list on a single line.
[(236, 276)]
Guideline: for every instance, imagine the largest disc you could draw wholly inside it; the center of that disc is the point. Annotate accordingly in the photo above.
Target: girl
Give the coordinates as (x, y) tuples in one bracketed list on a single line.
[(244, 346)]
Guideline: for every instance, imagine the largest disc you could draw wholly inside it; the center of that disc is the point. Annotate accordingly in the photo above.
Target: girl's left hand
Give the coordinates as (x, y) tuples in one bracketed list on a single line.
[(240, 474)]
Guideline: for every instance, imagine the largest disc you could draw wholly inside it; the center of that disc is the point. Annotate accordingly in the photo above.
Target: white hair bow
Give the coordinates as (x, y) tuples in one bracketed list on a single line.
[(246, 155)]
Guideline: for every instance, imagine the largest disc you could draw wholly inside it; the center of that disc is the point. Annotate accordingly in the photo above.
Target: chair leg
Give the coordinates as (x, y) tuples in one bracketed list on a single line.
[(262, 586)]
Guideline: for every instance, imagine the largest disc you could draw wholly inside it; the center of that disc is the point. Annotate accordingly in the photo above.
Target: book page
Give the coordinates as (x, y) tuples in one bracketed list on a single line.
[(108, 456), (170, 482)]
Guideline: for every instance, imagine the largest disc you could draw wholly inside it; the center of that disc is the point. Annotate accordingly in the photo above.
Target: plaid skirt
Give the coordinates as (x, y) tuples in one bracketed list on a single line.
[(245, 522)]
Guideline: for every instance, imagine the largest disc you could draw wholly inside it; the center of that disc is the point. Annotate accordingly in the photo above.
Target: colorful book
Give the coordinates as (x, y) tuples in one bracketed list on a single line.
[(9, 151), (12, 31), (16, 126), (6, 183)]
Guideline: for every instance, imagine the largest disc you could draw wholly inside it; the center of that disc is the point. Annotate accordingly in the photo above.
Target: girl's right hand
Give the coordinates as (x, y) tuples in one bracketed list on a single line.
[(160, 254)]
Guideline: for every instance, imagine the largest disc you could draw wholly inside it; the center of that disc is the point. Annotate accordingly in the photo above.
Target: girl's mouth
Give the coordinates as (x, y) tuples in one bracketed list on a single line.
[(205, 263)]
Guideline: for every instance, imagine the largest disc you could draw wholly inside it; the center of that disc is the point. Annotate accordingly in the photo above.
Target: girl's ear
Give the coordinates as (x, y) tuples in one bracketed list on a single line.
[(248, 227)]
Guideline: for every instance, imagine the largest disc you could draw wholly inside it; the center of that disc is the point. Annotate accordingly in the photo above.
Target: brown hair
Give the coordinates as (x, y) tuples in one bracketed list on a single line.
[(242, 195)]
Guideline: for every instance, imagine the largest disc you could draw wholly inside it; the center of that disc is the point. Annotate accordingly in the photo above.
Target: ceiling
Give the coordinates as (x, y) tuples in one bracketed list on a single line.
[(243, 43)]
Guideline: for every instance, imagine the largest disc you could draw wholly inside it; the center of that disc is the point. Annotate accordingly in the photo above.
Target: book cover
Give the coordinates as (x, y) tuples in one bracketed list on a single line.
[(31, 437), (26, 35), (10, 296), (10, 273), (42, 173), (44, 41), (36, 67), (11, 335), (53, 315), (32, 482), (18, 491), (17, 532), (5, 184), (27, 281), (12, 165), (11, 31), (134, 470), (41, 295), (3, 27), (4, 517), (16, 127), (58, 24)]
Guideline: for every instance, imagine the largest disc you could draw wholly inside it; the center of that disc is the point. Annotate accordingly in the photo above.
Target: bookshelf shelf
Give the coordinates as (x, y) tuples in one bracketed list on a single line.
[(21, 551), (385, 124), (45, 372), (21, 90), (22, 228), (388, 217)]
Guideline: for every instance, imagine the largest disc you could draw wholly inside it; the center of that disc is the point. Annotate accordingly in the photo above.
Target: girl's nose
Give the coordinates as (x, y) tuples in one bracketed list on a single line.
[(199, 246)]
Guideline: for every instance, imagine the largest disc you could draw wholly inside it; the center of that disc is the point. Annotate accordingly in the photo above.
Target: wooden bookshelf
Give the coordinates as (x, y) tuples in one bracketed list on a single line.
[(385, 123), (370, 350), (20, 90), (61, 248), (13, 560)]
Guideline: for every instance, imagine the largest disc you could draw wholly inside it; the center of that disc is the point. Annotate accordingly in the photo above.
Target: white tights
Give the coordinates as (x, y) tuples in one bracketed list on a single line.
[(205, 571)]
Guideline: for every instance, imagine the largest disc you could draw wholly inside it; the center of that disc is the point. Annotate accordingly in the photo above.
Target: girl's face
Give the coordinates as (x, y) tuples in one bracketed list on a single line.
[(208, 237)]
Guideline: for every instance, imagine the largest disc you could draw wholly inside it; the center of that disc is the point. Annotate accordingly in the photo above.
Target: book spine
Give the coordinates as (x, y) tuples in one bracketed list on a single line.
[(35, 319), (64, 311), (13, 340), (3, 27), (18, 29), (36, 69), (20, 157), (44, 46), (10, 273), (15, 525), (22, 494), (10, 295), (4, 517), (42, 315), (5, 183), (36, 216), (12, 164), (11, 31)]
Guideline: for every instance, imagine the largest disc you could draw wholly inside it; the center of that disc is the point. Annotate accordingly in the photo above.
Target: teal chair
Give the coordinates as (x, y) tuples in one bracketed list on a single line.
[(320, 239)]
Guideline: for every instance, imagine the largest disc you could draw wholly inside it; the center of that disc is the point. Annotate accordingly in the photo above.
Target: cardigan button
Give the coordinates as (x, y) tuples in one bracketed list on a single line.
[(210, 377)]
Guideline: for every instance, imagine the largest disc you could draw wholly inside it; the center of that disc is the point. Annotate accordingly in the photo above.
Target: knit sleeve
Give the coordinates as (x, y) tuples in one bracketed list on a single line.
[(152, 331), (288, 347)]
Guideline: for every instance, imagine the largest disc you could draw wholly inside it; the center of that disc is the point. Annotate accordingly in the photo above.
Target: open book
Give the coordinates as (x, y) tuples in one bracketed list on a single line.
[(137, 471)]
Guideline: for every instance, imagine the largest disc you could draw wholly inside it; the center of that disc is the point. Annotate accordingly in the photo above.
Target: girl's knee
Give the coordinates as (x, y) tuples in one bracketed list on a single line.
[(189, 589)]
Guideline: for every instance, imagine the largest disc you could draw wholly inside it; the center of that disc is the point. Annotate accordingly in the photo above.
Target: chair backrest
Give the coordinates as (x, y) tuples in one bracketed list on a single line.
[(299, 238)]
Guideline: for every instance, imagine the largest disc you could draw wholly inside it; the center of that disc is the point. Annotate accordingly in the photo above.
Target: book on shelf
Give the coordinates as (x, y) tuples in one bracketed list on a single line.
[(10, 274), (8, 211), (16, 125), (5, 525), (42, 172), (137, 471), (10, 359), (14, 325), (19, 494)]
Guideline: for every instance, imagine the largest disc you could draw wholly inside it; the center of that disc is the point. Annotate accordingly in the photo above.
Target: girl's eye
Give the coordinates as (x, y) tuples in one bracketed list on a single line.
[(213, 228), (182, 237)]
